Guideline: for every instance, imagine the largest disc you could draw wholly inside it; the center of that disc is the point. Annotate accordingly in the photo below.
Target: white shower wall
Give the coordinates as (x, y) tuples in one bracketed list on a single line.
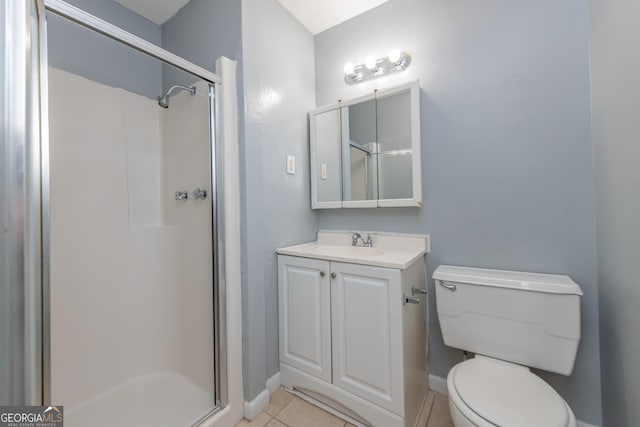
[(131, 267), (186, 165)]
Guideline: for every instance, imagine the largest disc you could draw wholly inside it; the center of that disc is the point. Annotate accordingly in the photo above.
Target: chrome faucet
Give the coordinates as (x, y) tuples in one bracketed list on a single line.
[(354, 240)]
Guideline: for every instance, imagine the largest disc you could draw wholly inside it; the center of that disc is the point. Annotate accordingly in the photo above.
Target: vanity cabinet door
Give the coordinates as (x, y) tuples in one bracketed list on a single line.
[(305, 316), (366, 313)]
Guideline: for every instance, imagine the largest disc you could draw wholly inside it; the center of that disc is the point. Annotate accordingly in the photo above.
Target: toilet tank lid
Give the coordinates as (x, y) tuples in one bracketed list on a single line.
[(535, 282)]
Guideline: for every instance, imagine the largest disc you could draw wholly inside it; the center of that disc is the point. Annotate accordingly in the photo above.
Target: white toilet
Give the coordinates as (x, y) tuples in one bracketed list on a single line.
[(511, 321)]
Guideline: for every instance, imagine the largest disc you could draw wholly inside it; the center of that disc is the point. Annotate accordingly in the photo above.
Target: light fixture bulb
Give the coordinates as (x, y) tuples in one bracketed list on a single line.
[(394, 55), (370, 62), (349, 68)]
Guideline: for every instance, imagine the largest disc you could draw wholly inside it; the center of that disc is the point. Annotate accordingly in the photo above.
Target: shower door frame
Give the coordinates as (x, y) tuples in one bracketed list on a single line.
[(21, 204), (40, 69)]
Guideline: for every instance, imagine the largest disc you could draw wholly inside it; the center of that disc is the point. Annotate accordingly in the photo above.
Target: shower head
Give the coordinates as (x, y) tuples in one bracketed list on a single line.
[(163, 100)]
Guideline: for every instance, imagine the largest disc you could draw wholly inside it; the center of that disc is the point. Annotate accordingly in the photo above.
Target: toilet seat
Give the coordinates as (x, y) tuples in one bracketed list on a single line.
[(490, 392)]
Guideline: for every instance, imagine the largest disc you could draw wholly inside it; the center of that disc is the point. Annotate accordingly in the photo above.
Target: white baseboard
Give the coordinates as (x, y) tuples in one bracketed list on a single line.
[(274, 383), (439, 384), (250, 410)]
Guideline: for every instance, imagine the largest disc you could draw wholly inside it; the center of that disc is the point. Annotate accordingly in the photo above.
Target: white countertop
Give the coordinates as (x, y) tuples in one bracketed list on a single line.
[(392, 250)]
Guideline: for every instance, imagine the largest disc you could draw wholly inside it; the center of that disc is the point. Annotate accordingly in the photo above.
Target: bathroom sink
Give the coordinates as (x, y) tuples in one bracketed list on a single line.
[(349, 251), (390, 250)]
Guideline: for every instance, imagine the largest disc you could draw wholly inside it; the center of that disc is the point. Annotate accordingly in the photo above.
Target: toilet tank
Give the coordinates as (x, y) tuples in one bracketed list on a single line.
[(527, 318)]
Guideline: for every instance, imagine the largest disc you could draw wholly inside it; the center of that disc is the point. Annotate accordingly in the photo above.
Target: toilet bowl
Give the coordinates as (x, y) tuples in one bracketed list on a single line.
[(485, 392), (512, 321)]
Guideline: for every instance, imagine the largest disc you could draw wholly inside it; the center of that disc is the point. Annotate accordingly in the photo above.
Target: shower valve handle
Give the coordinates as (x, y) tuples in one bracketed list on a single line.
[(198, 193)]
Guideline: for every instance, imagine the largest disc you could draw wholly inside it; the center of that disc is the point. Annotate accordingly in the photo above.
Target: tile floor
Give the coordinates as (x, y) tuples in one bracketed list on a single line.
[(287, 410)]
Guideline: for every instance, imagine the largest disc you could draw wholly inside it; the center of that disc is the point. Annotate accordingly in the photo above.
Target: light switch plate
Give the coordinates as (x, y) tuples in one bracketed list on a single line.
[(323, 171), (291, 164)]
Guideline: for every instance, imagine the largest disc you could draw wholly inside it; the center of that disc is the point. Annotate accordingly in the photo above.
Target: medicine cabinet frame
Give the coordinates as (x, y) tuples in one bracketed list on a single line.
[(337, 132)]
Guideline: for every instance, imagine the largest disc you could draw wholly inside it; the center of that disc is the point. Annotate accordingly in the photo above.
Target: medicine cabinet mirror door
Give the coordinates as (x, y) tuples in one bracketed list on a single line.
[(326, 165), (398, 148), (359, 153)]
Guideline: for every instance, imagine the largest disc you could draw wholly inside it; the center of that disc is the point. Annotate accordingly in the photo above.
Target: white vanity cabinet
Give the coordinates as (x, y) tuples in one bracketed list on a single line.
[(305, 315), (366, 319), (349, 339)]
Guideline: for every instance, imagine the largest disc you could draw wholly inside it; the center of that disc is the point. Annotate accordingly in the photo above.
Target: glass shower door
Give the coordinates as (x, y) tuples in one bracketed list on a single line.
[(132, 295)]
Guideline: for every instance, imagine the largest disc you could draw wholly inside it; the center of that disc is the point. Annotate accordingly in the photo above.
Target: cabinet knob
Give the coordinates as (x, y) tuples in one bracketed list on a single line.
[(322, 273), (333, 275)]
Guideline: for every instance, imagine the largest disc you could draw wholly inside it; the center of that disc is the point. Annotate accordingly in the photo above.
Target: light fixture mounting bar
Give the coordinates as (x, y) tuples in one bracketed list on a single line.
[(383, 67)]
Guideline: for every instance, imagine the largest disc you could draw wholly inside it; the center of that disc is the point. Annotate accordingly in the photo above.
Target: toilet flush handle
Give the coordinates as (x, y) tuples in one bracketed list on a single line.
[(448, 285)]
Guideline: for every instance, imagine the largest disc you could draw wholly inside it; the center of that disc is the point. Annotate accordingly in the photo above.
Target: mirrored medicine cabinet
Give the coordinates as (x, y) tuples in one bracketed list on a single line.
[(365, 152)]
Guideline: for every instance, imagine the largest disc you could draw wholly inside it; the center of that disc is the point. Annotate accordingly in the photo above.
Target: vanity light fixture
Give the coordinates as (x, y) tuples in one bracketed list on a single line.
[(373, 68), (371, 63)]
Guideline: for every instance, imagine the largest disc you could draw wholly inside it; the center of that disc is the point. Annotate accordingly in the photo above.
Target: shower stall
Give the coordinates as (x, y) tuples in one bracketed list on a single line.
[(113, 301)]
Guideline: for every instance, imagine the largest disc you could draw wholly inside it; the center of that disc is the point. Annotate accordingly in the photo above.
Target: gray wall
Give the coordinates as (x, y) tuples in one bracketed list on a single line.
[(279, 91), (86, 53), (507, 162), (615, 67), (201, 32)]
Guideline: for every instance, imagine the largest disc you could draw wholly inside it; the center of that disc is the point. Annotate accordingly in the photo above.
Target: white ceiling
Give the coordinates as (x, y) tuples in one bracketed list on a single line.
[(320, 15), (315, 15), (158, 11)]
